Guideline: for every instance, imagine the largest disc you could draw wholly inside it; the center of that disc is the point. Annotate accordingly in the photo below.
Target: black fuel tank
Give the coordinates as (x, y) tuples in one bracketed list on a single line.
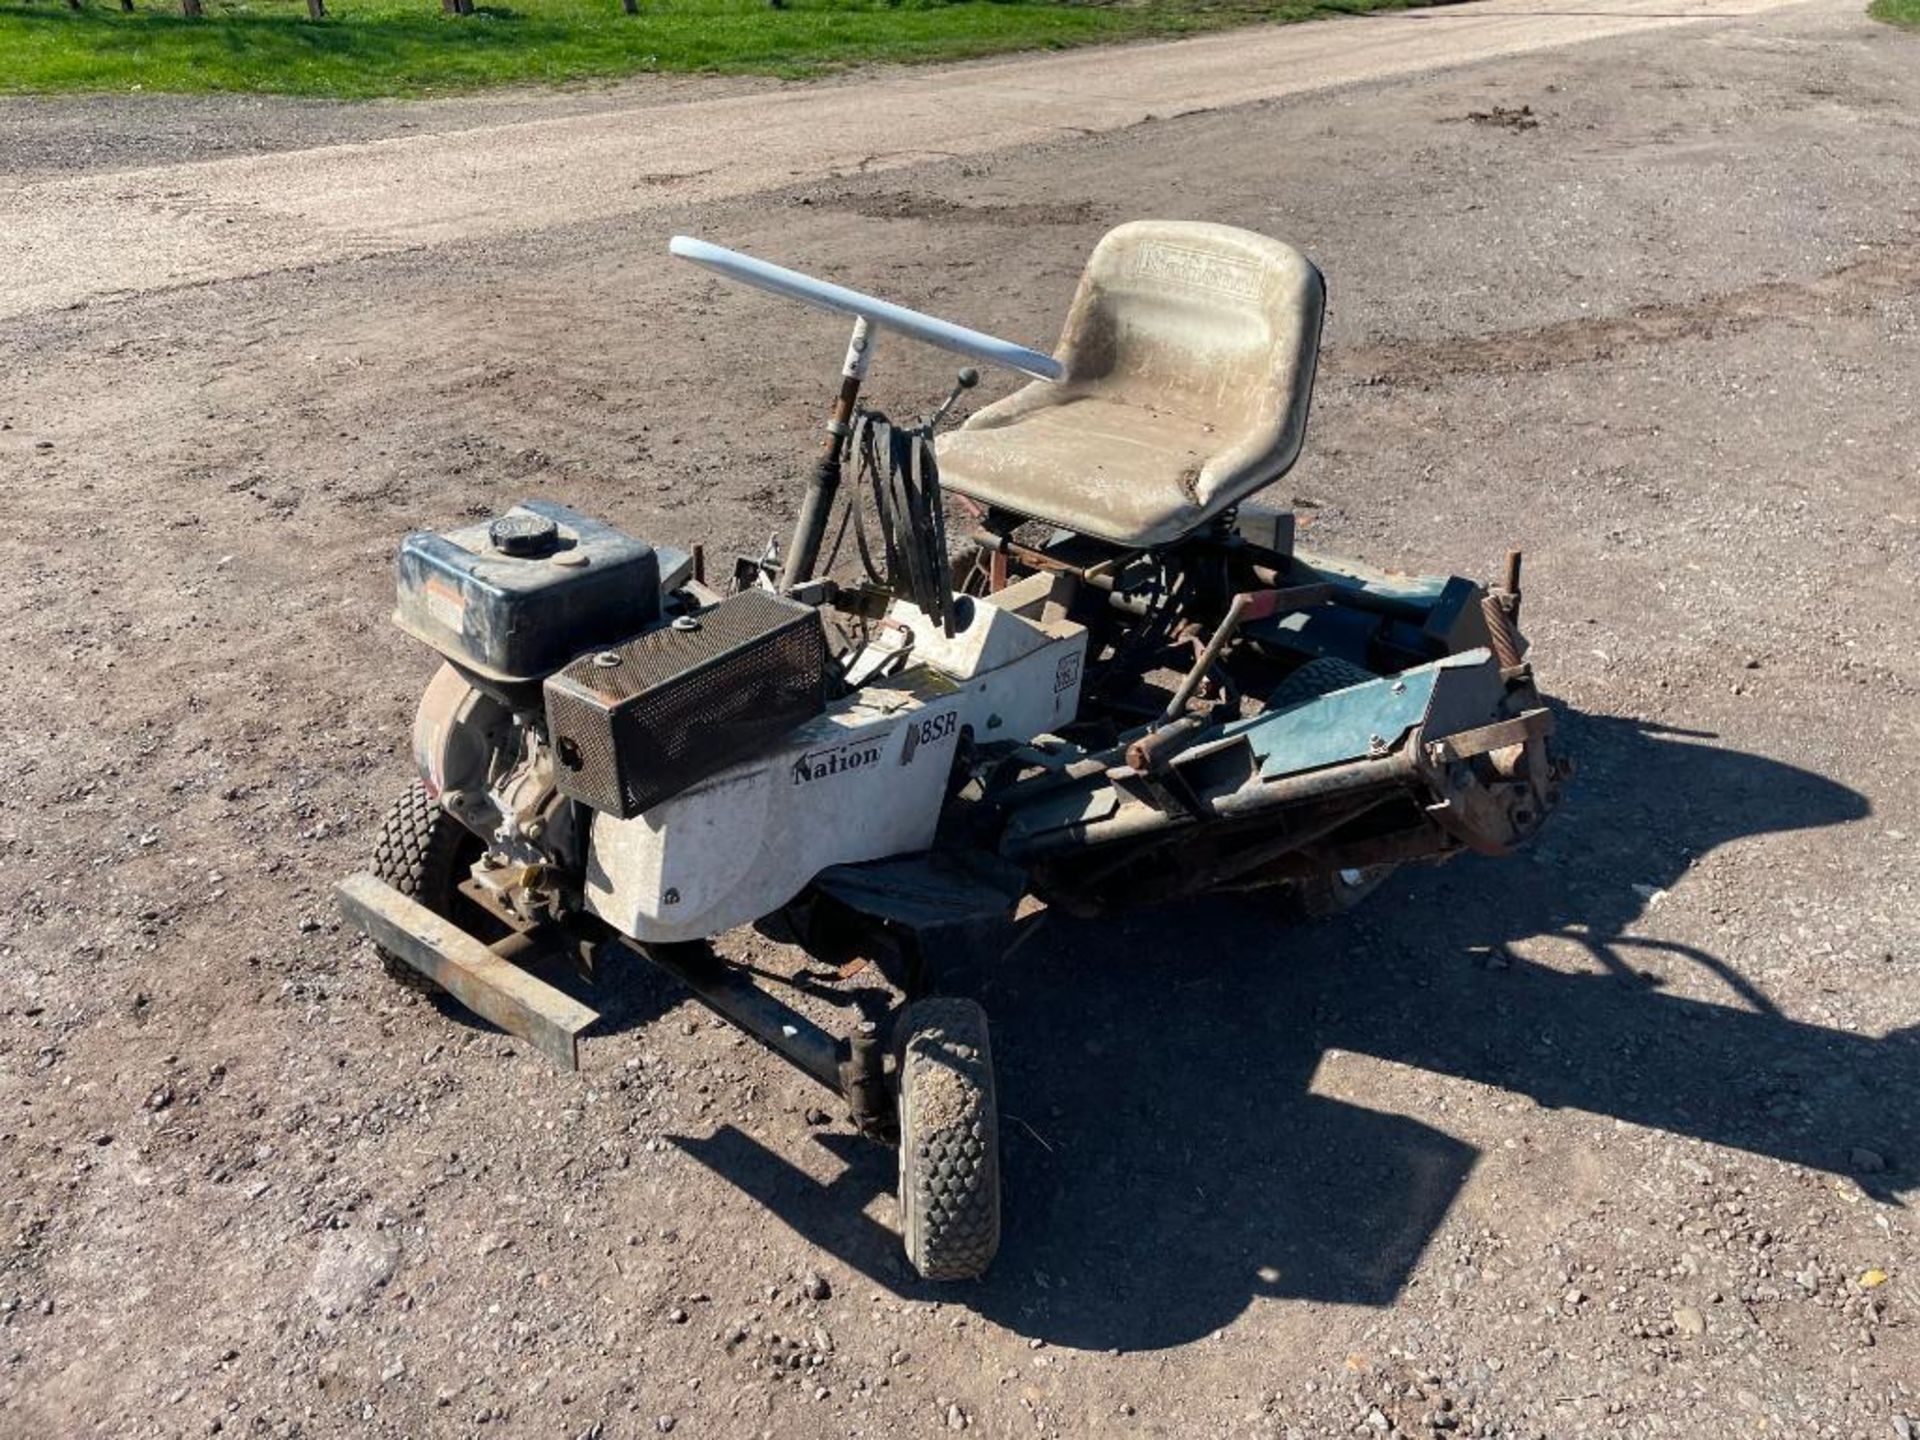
[(516, 597)]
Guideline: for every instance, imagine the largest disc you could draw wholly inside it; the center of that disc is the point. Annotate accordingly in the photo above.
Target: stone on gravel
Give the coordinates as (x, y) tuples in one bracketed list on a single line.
[(350, 1266)]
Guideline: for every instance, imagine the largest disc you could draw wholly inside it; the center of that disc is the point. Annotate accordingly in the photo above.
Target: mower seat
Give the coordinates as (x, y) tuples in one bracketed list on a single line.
[(1189, 355)]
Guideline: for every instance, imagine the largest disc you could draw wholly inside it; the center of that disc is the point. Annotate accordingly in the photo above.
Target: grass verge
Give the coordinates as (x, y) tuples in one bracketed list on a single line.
[(367, 48), (1897, 12)]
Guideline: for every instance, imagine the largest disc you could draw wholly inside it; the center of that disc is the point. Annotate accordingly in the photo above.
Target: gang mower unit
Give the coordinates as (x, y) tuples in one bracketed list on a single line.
[(1060, 653)]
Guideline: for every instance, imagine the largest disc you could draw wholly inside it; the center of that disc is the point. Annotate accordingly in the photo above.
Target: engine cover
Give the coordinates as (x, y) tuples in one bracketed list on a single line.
[(641, 721), (515, 598)]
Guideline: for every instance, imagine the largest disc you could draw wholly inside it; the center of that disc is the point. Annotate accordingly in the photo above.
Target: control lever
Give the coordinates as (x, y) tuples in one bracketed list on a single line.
[(963, 382)]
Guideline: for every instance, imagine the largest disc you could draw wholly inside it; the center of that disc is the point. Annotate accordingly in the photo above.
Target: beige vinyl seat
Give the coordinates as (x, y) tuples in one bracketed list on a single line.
[(1189, 355)]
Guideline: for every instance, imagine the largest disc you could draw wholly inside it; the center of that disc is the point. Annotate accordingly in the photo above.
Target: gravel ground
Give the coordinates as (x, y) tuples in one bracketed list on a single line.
[(1614, 1140), (43, 137)]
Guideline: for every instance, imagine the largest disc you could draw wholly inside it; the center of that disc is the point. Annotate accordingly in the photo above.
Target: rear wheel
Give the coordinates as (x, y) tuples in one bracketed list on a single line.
[(424, 853), (949, 1141), (1316, 678)]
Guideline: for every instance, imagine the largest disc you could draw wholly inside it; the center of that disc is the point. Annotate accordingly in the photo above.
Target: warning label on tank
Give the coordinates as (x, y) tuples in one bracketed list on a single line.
[(446, 604)]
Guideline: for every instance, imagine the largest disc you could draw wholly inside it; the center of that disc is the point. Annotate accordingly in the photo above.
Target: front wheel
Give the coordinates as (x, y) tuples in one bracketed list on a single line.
[(424, 853), (949, 1141)]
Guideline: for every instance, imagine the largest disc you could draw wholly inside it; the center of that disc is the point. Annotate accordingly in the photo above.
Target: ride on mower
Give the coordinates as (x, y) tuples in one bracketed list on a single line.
[(1116, 681)]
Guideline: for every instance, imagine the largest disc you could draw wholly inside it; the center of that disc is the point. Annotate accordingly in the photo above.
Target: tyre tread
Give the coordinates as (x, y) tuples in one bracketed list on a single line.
[(418, 854), (949, 1163), (1316, 678)]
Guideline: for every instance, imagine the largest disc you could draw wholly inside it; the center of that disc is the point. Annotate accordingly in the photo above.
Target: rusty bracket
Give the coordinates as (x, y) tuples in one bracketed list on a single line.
[(1465, 744), (1161, 787), (1493, 814)]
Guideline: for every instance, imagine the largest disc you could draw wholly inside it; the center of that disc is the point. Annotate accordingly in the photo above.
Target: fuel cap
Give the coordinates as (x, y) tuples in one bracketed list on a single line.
[(526, 536)]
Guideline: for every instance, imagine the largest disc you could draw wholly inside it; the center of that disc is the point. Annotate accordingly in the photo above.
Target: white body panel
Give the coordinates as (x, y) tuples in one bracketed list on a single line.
[(864, 781)]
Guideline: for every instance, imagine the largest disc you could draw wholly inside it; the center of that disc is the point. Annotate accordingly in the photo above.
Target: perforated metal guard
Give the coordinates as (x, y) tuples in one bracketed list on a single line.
[(679, 705)]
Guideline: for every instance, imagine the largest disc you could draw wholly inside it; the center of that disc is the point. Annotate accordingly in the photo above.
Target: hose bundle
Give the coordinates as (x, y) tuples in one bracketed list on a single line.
[(896, 469)]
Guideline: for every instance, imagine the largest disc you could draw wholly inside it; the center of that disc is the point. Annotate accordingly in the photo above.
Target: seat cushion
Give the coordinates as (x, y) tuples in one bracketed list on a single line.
[(1188, 354), (1118, 472)]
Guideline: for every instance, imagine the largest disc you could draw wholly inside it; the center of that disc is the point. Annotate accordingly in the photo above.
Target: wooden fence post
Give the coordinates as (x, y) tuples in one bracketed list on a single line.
[(316, 9), (191, 9)]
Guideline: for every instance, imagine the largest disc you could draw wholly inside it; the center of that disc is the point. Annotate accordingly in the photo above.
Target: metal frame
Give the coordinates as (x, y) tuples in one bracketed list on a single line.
[(825, 295), (491, 981), (871, 315)]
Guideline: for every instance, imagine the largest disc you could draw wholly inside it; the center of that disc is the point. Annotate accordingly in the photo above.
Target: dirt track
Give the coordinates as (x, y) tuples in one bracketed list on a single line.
[(467, 181), (1583, 1144)]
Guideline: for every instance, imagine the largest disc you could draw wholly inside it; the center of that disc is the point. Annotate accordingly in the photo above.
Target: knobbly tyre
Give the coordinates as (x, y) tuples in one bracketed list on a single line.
[(1124, 683)]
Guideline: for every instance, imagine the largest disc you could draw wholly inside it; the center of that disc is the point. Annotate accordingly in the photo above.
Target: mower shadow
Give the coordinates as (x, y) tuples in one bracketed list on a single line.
[(1166, 1160)]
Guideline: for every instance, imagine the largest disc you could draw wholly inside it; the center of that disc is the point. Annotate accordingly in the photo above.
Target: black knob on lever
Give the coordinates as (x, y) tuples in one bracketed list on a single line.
[(964, 381)]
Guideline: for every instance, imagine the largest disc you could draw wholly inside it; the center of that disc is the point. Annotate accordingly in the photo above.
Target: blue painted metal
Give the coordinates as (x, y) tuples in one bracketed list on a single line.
[(1413, 595), (1086, 803), (1347, 724), (1332, 729)]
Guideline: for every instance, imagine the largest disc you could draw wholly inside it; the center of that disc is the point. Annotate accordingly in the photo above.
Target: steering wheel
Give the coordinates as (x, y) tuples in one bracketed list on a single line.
[(883, 314)]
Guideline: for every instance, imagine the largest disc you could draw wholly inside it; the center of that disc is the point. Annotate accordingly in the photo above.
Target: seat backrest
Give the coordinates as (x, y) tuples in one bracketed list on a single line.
[(1214, 323)]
